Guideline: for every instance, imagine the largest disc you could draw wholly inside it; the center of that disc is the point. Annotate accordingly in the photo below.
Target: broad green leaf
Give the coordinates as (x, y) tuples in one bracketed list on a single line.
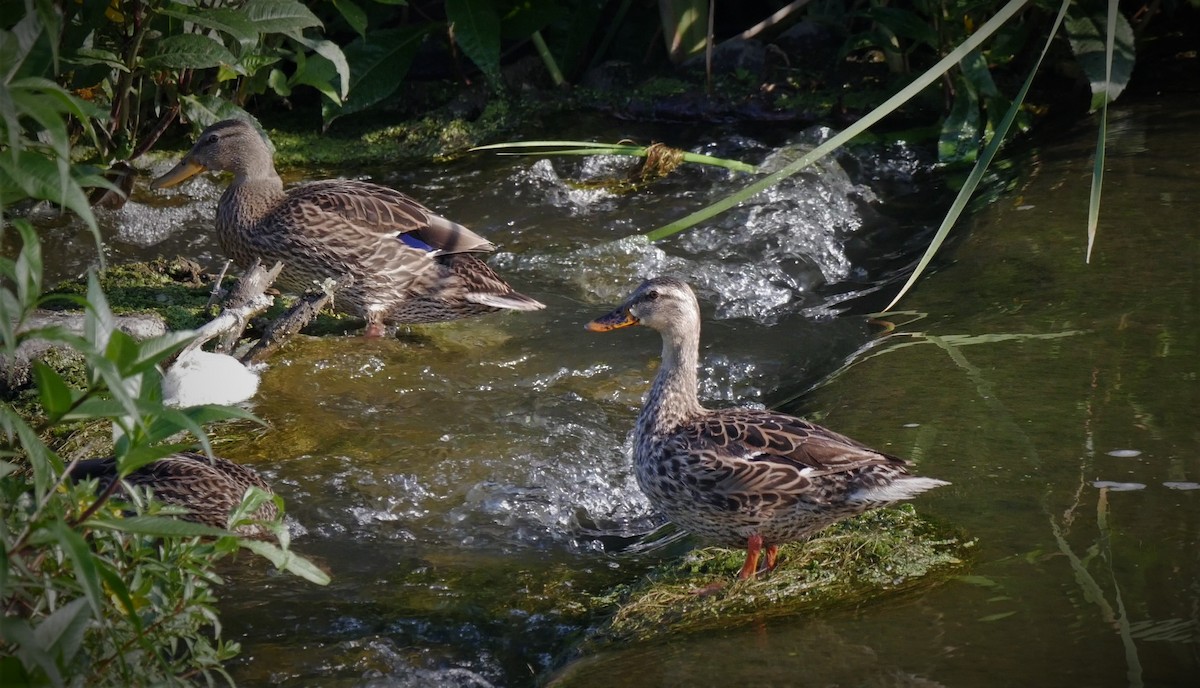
[(331, 52), (476, 27), (189, 51), (279, 16), (905, 24), (317, 72), (354, 16), (90, 56), (122, 350), (232, 23), (278, 83), (85, 567), (17, 633), (61, 633), (204, 110), (55, 395), (1090, 38), (378, 65), (41, 178), (959, 141), (976, 71)]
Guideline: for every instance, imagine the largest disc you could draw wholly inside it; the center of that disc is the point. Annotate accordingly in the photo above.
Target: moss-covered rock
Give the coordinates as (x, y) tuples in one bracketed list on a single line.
[(883, 551)]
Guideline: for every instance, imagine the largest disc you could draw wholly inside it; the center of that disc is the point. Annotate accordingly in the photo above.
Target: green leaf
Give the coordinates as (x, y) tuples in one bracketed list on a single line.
[(85, 567), (279, 16), (476, 27), (204, 110), (98, 321), (378, 65), (278, 83), (232, 23), (286, 560), (116, 586), (317, 72), (1090, 37), (189, 51), (61, 633), (41, 178), (960, 136), (17, 632), (55, 395), (331, 52), (354, 16), (906, 24), (158, 526)]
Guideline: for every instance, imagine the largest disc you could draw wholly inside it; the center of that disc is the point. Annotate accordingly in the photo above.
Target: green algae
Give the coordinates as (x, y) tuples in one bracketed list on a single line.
[(886, 551)]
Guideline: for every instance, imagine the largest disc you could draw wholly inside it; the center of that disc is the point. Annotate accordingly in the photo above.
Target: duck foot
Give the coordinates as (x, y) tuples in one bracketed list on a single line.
[(754, 547), (374, 330)]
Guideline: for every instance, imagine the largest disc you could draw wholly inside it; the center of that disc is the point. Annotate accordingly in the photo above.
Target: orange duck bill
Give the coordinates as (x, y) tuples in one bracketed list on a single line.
[(612, 321)]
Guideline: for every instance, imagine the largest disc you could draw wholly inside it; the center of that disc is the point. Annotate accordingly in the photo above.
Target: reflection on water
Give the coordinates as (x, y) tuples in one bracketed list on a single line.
[(468, 485)]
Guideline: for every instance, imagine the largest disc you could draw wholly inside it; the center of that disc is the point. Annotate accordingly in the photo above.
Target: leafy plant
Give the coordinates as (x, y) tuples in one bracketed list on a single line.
[(92, 596), (141, 64)]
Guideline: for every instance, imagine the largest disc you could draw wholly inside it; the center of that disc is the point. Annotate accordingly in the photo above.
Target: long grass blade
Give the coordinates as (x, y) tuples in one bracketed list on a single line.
[(981, 165), (1101, 136), (890, 105)]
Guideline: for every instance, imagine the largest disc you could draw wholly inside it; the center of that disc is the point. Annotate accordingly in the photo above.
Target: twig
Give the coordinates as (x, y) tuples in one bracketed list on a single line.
[(301, 313), (215, 294)]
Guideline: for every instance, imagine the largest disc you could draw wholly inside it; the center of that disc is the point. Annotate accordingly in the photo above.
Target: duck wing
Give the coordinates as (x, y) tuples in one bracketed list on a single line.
[(381, 219), (774, 456)]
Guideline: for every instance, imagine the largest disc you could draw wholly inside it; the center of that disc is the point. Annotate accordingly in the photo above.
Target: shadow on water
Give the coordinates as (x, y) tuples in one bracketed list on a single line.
[(469, 486)]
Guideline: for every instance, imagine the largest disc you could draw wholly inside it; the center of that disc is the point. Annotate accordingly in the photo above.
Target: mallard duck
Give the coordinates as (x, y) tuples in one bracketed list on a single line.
[(394, 260), (209, 488), (740, 476)]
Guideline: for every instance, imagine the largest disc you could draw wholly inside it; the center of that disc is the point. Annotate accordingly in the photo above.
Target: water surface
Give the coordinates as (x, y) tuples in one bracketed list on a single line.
[(466, 485)]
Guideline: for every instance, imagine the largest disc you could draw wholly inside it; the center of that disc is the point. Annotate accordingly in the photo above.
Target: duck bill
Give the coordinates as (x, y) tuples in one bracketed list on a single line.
[(613, 321), (186, 169)]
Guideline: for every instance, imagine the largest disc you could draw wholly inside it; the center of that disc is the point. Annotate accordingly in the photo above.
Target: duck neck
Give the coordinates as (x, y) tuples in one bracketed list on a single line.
[(672, 399), (251, 196)]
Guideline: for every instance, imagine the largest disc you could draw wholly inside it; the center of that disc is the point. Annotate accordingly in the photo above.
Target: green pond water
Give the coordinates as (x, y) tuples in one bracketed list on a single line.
[(469, 485)]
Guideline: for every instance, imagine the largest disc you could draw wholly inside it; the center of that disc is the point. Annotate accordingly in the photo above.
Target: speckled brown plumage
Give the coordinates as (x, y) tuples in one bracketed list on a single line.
[(208, 488), (395, 260), (737, 476)]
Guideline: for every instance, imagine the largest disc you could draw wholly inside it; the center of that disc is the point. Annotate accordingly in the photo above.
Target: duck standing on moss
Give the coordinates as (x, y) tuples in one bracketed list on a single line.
[(739, 476), (394, 260)]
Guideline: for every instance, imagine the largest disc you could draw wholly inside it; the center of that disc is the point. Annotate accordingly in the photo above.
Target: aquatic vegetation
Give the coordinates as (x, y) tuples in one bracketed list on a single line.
[(882, 552)]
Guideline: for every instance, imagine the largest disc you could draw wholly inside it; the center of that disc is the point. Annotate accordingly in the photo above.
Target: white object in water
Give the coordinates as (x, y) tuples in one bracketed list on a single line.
[(199, 377)]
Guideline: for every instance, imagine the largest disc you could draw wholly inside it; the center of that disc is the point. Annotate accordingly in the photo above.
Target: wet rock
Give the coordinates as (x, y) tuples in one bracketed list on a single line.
[(16, 370), (808, 44), (733, 56)]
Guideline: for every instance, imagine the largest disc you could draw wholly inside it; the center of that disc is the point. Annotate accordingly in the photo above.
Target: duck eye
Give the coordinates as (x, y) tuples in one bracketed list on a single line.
[(209, 140), (651, 295)]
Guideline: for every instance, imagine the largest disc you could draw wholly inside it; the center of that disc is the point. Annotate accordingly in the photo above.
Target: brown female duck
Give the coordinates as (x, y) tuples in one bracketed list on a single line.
[(394, 260), (738, 476), (209, 488)]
